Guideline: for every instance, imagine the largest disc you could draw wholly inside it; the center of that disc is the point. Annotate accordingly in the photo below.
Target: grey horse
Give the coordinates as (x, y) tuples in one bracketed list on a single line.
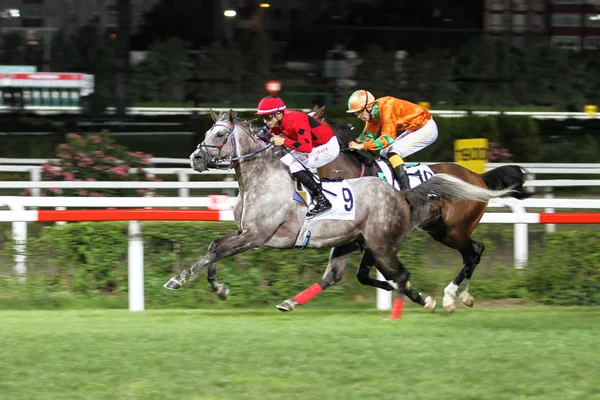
[(268, 216)]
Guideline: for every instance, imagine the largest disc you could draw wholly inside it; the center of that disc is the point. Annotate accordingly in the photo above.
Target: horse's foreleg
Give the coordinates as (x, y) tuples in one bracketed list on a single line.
[(219, 288), (338, 258), (228, 245)]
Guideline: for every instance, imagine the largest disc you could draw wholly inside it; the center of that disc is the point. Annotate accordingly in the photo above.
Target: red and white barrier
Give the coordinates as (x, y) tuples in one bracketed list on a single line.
[(227, 215), (116, 215), (19, 216)]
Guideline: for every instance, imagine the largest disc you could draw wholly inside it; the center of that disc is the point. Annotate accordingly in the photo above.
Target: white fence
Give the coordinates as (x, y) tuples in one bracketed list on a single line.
[(202, 110), (17, 214), (520, 215), (33, 168)]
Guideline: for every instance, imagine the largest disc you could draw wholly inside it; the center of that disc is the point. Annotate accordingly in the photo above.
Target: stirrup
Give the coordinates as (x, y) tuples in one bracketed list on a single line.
[(318, 209)]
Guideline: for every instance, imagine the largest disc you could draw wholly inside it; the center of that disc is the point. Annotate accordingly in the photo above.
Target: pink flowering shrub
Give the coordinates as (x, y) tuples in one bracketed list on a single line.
[(498, 154), (95, 158)]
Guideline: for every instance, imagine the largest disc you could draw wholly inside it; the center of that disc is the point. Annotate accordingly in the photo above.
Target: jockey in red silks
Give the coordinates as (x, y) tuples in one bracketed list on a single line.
[(385, 117), (311, 144)]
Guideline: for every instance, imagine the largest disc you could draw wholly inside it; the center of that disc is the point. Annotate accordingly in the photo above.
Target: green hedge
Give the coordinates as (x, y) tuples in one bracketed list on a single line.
[(529, 140), (85, 264)]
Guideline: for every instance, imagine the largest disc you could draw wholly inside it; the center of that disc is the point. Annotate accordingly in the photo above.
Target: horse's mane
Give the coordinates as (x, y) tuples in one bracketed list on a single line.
[(345, 133)]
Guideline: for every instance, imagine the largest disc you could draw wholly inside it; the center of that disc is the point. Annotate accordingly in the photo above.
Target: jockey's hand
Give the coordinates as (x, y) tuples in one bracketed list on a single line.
[(352, 145), (264, 134), (278, 140)]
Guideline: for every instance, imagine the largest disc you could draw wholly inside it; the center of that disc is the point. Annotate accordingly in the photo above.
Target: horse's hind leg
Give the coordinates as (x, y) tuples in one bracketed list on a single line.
[(469, 268), (362, 274), (368, 261), (471, 253), (390, 266), (338, 258)]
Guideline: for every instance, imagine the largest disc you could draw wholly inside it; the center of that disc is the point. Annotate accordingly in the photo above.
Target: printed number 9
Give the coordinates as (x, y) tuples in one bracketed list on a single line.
[(349, 201)]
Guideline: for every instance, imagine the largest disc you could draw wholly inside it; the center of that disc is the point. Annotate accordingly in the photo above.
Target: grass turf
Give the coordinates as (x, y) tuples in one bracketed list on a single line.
[(484, 353)]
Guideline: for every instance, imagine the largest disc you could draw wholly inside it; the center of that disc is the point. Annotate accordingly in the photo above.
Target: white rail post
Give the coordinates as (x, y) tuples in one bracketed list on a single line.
[(35, 173), (60, 222), (229, 192), (135, 266), (520, 237), (384, 297), (182, 176), (19, 234), (529, 177), (521, 245), (549, 195)]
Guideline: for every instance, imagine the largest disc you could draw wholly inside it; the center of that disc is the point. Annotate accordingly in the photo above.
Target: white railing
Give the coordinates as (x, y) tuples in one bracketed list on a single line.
[(520, 216), (33, 168), (203, 110)]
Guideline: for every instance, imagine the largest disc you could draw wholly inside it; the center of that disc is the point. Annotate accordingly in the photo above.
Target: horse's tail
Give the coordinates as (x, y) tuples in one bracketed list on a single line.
[(450, 188), (507, 176)]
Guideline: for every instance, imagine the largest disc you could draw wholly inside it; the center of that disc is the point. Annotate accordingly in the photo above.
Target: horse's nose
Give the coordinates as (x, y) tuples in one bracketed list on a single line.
[(198, 160)]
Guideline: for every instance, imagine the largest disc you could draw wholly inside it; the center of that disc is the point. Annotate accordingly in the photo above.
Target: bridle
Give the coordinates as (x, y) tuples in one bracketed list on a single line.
[(223, 162)]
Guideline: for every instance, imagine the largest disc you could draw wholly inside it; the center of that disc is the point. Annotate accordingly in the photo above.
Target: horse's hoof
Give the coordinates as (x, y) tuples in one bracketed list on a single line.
[(467, 299), (286, 306), (173, 284), (223, 292), (450, 308), (430, 304)]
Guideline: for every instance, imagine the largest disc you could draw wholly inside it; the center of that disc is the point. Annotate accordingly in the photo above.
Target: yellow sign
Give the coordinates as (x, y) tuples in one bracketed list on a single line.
[(471, 154), (590, 109)]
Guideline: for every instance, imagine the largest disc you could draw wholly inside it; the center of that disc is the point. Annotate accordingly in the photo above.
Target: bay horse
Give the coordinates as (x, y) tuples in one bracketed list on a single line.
[(452, 225), (268, 216)]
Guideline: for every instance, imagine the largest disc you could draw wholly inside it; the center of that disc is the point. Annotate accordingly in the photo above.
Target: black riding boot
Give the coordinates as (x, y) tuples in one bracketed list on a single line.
[(320, 201), (402, 177)]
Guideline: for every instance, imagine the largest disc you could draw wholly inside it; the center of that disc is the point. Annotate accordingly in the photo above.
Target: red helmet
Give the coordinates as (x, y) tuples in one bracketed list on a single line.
[(270, 105)]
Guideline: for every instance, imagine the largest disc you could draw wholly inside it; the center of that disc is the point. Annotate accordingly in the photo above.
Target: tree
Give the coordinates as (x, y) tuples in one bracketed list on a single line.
[(190, 20), (163, 73), (428, 77), (377, 73)]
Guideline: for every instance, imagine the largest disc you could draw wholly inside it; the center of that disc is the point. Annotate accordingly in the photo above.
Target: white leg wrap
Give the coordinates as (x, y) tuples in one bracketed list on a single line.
[(449, 293)]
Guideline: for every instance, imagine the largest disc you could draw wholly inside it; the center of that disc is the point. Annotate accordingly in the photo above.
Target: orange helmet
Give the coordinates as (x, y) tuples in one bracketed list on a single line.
[(360, 100)]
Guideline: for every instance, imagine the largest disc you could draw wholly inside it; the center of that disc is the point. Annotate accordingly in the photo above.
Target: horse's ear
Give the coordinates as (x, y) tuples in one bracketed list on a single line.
[(214, 115), (231, 116), (319, 113), (315, 108)]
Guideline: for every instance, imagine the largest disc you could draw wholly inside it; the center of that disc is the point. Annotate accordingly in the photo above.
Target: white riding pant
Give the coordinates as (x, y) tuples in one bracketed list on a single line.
[(411, 142), (319, 156)]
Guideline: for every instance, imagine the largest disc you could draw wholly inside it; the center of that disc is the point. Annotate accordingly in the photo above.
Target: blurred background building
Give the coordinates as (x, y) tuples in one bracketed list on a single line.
[(200, 51), (571, 24)]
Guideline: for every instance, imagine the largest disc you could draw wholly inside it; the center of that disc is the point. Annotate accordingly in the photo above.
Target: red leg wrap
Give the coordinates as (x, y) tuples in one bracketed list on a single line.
[(308, 294), (397, 309)]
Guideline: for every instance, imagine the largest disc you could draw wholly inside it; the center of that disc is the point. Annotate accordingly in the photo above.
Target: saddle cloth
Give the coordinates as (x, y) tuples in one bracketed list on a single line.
[(339, 195), (417, 173)]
